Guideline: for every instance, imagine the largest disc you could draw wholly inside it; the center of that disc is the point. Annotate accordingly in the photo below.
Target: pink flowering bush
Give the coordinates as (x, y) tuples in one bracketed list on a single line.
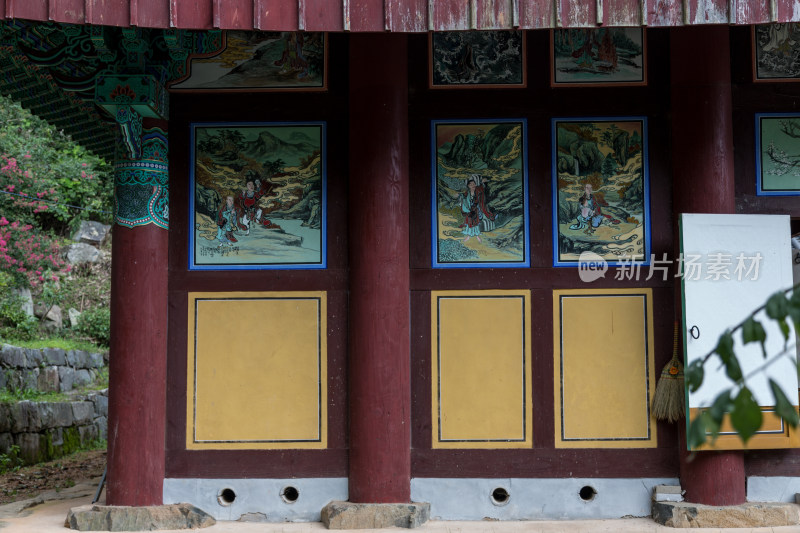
[(29, 256)]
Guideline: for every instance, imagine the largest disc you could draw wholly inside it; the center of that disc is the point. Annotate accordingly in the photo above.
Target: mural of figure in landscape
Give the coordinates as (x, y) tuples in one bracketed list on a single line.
[(598, 56), (480, 193), (777, 51), (600, 181), (261, 60), (486, 58), (778, 156), (259, 196)]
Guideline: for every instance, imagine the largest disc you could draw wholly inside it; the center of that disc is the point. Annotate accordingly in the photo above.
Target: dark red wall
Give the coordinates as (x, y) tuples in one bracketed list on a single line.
[(537, 103)]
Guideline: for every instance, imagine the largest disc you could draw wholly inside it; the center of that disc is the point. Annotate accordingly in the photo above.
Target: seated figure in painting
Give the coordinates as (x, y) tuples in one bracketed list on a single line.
[(475, 210), (591, 211)]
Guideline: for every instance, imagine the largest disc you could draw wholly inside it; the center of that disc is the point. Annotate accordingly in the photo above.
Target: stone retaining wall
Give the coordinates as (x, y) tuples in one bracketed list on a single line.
[(48, 430), (47, 370)]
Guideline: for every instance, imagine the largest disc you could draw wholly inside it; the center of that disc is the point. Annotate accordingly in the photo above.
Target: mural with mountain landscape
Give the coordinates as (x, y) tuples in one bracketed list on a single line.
[(601, 200), (259, 198), (480, 215)]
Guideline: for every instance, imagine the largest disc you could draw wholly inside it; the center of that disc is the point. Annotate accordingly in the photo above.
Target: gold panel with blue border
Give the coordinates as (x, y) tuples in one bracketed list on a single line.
[(257, 370), (603, 368), (481, 369)]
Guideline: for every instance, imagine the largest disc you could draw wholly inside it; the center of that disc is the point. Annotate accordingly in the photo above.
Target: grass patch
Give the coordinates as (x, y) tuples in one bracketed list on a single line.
[(7, 396), (56, 342)]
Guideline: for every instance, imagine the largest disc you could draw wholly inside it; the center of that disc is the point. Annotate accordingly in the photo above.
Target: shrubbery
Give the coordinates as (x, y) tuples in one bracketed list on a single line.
[(95, 324)]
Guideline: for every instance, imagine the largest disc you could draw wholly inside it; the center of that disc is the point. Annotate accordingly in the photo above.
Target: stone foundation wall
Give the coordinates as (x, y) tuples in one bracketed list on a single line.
[(48, 430)]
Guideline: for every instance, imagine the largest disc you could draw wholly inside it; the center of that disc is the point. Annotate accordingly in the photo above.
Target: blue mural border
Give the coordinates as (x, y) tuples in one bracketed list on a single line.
[(760, 191), (192, 265), (526, 260)]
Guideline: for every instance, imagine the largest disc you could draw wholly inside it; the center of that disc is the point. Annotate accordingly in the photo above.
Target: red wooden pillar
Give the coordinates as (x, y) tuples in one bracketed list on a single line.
[(379, 371), (138, 362), (702, 169)]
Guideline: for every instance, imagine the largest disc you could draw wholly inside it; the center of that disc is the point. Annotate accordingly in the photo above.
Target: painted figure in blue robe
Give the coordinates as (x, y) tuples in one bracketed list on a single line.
[(226, 223)]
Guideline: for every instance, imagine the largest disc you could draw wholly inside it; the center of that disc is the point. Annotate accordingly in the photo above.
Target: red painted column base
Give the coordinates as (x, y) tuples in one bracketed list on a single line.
[(137, 367)]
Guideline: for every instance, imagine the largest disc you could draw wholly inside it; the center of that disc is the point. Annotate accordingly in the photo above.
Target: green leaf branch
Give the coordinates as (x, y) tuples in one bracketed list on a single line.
[(737, 400)]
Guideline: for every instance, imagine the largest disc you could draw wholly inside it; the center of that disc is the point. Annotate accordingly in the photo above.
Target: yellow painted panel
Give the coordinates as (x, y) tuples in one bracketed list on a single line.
[(774, 434), (603, 368), (481, 369), (257, 370)]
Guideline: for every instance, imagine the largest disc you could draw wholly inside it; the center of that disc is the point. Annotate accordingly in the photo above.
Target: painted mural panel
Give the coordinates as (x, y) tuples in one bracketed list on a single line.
[(778, 154), (776, 52), (243, 394), (481, 400), (257, 196), (251, 61), (598, 56), (480, 193), (603, 342), (477, 59), (600, 179)]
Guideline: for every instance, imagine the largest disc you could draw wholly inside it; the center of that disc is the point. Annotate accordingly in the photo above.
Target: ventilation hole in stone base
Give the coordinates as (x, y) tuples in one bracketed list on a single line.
[(500, 496), (226, 497), (587, 493), (290, 494)]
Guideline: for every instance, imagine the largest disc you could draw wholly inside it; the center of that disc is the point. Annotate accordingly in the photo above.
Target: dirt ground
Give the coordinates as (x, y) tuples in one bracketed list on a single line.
[(62, 473)]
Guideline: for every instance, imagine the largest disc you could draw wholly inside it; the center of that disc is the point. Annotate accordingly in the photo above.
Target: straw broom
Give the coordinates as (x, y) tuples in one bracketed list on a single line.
[(668, 401)]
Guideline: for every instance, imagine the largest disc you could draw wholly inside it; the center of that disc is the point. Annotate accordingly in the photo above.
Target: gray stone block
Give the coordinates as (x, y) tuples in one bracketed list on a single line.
[(82, 412), (30, 447), (6, 442), (101, 423), (4, 378), (346, 515), (82, 378), (48, 379), (53, 315), (750, 515), (27, 299), (66, 377), (80, 253), (91, 232), (100, 402), (73, 315), (25, 417), (29, 379), (12, 356), (33, 357), (110, 518), (96, 360), (56, 436), (88, 433), (5, 417), (54, 356), (55, 414)]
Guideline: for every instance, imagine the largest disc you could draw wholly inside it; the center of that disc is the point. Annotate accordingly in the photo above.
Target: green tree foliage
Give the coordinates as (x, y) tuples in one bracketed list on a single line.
[(42, 170), (737, 400)]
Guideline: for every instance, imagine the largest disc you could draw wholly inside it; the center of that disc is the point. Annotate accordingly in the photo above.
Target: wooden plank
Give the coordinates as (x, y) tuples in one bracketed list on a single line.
[(25, 9), (495, 14), (538, 14), (69, 11), (451, 15), (366, 15), (578, 13), (150, 13), (191, 14), (233, 14), (751, 12), (321, 15), (275, 16), (622, 13), (664, 13), (108, 12), (407, 15), (706, 12)]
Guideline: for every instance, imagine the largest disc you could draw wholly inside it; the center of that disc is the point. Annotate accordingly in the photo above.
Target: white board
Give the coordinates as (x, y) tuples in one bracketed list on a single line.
[(712, 304)]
